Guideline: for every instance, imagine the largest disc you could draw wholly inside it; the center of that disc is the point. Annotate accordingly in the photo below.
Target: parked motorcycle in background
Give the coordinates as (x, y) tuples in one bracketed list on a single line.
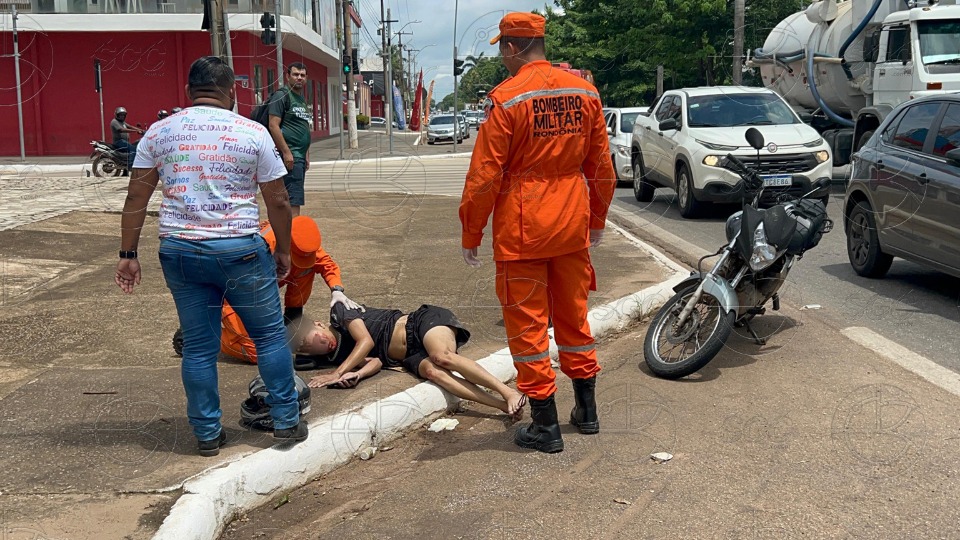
[(763, 245)]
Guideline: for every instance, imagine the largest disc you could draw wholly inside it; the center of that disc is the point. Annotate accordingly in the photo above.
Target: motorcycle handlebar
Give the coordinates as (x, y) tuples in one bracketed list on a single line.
[(750, 177)]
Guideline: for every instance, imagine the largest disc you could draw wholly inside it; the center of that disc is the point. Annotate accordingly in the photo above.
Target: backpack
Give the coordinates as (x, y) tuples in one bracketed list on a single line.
[(261, 113)]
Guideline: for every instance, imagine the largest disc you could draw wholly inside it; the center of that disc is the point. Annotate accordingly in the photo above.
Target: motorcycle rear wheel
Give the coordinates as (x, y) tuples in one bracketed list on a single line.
[(104, 167), (699, 340)]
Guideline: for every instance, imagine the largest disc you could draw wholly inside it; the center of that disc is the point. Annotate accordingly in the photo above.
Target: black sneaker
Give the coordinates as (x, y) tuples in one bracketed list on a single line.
[(212, 447), (296, 434)]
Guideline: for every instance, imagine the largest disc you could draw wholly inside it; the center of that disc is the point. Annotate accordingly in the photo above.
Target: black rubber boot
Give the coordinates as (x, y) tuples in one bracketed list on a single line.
[(543, 433), (584, 414)]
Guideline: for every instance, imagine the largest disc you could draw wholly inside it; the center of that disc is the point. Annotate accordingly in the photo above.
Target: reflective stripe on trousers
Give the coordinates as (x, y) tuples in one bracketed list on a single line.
[(534, 292)]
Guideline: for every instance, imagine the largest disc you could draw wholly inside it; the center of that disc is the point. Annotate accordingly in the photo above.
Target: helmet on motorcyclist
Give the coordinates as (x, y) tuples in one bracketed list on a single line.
[(162, 114), (119, 110), (175, 110)]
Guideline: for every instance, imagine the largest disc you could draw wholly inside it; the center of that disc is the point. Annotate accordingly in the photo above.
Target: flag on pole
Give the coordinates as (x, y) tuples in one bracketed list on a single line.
[(398, 109), (426, 107), (415, 113)]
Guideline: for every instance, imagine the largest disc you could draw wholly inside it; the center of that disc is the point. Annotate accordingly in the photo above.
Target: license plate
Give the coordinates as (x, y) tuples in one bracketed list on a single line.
[(777, 180)]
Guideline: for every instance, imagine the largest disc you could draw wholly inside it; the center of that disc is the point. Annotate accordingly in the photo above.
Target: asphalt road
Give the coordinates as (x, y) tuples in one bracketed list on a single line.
[(913, 306)]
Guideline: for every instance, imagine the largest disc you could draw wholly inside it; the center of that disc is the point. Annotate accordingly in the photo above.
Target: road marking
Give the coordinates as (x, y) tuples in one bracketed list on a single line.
[(905, 358)]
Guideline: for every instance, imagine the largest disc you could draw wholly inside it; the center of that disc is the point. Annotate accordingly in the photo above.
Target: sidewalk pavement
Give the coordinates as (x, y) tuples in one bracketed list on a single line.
[(371, 143), (94, 438)]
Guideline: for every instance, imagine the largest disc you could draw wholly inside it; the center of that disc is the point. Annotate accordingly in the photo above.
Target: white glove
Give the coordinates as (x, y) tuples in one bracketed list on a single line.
[(337, 296), (596, 236), (470, 257)]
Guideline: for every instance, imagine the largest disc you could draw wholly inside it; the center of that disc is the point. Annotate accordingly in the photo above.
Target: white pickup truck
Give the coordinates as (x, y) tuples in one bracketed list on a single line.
[(682, 143)]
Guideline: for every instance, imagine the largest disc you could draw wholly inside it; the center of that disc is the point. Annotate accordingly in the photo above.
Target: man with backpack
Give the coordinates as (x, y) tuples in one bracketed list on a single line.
[(288, 121)]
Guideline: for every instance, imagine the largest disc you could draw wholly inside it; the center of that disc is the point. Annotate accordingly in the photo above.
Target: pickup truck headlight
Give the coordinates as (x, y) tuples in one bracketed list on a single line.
[(717, 147), (822, 156), (624, 151), (711, 161)]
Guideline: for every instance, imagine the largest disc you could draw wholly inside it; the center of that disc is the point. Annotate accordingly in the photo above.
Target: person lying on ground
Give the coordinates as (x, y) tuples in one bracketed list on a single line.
[(424, 342)]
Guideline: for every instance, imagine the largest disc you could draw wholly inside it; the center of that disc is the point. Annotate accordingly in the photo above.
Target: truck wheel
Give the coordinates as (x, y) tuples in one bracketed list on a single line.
[(863, 244), (690, 207), (642, 189)]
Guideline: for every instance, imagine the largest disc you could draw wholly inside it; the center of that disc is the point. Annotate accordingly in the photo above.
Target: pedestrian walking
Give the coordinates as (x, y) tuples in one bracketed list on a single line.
[(211, 161), (290, 128), (542, 167)]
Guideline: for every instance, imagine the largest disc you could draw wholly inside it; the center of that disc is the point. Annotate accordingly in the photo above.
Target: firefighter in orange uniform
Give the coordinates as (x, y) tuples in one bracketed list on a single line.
[(542, 167), (307, 258)]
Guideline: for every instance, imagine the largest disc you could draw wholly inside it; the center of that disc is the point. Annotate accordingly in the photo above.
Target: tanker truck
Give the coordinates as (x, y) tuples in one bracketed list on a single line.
[(866, 57)]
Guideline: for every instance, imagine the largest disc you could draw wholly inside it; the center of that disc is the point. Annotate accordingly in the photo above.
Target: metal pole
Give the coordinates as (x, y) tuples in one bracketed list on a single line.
[(340, 77), (16, 69), (456, 126), (351, 97), (226, 38), (279, 45), (659, 81), (738, 15), (390, 81)]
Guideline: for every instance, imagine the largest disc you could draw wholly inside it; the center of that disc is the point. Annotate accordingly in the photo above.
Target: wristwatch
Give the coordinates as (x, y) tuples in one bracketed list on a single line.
[(128, 254), (337, 288)]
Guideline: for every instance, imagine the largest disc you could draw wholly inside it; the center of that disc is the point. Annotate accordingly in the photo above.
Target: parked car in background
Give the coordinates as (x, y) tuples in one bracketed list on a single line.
[(441, 128), (619, 128), (683, 142), (378, 121), (473, 118), (465, 125), (903, 197)]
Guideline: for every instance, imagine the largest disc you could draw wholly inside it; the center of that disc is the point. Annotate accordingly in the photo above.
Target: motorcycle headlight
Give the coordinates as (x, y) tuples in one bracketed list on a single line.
[(822, 156), (763, 254), (711, 161), (624, 151)]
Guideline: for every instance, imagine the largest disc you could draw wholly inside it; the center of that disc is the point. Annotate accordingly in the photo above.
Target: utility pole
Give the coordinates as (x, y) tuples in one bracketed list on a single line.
[(388, 75), (738, 15), (404, 82), (456, 117), (339, 116), (351, 100), (659, 81), (280, 70), (16, 69)]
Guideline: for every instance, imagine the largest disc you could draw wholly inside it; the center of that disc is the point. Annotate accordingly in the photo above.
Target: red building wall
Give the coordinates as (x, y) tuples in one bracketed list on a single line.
[(144, 72)]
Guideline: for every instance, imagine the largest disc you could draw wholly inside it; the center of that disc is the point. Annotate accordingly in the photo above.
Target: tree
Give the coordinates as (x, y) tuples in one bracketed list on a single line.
[(485, 75)]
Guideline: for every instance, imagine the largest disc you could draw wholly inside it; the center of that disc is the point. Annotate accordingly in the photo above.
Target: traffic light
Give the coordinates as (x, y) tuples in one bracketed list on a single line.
[(267, 22), (457, 66), (347, 62), (355, 55)]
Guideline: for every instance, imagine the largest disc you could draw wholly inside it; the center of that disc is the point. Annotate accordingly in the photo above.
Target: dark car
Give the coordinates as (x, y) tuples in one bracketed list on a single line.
[(903, 199)]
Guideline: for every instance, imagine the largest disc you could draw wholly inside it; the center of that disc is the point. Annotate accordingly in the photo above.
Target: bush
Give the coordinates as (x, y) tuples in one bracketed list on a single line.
[(363, 119)]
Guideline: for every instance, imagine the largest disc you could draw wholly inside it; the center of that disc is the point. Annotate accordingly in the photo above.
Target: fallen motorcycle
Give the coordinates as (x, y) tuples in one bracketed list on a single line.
[(762, 246)]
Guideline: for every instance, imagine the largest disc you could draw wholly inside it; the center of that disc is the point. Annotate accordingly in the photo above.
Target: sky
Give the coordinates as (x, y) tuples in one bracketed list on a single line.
[(477, 22)]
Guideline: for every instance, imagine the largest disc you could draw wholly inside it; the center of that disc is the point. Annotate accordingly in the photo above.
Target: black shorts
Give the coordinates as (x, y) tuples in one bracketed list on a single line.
[(419, 323)]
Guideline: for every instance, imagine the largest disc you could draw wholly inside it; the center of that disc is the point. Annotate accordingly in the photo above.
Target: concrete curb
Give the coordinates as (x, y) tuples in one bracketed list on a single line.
[(212, 499), (390, 158)]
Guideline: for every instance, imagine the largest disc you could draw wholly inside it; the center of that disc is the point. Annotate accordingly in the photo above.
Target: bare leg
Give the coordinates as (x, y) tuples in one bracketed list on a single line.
[(295, 210), (441, 345), (459, 387)]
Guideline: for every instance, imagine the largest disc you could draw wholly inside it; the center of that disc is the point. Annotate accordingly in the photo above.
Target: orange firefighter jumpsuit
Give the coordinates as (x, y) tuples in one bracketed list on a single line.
[(542, 166), (234, 340)]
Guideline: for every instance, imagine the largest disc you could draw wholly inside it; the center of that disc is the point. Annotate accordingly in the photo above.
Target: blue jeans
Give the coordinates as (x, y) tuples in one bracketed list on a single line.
[(201, 274), (129, 149)]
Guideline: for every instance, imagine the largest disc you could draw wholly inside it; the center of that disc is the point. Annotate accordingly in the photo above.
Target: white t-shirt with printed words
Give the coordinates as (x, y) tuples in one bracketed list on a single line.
[(210, 161)]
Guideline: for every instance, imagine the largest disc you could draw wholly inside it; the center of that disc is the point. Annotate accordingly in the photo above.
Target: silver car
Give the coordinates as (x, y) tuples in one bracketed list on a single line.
[(619, 128), (441, 128)]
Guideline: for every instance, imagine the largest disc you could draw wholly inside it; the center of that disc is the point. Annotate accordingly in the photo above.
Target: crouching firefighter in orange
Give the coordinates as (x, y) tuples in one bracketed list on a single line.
[(307, 259), (542, 167)]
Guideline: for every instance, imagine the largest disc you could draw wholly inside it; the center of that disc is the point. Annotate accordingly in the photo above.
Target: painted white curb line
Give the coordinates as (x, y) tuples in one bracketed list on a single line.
[(213, 499), (405, 157)]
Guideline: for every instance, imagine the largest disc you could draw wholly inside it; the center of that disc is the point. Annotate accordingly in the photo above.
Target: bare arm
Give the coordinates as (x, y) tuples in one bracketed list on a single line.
[(277, 135), (143, 182), (277, 201), (364, 344)]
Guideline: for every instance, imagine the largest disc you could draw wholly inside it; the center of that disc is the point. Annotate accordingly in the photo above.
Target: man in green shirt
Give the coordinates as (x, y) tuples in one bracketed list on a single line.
[(290, 129)]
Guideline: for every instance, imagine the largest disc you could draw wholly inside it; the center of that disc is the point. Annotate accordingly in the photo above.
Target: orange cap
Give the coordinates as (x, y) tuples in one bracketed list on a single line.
[(304, 242), (521, 24)]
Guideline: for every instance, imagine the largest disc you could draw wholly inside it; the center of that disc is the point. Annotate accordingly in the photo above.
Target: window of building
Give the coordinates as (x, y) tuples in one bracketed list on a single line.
[(257, 84), (271, 80)]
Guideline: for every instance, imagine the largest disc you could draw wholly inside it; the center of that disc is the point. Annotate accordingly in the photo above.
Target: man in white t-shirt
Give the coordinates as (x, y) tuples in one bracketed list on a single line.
[(210, 162)]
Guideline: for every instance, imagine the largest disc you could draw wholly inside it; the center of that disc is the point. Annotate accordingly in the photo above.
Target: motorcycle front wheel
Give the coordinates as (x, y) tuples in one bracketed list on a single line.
[(672, 352), (104, 167)]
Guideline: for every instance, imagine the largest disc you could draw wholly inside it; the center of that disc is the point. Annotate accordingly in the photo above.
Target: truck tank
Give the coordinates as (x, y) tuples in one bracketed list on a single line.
[(789, 41)]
